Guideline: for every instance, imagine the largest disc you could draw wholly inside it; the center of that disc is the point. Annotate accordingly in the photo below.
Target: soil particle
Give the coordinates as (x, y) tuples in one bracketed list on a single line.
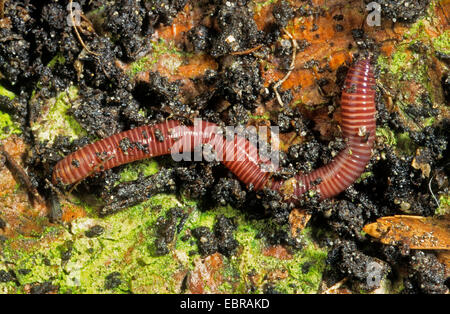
[(125, 21), (131, 193), (221, 239), (223, 231), (113, 280), (229, 191), (240, 81), (94, 231), (43, 288), (6, 276), (350, 262), (206, 241), (237, 30), (166, 229), (426, 275)]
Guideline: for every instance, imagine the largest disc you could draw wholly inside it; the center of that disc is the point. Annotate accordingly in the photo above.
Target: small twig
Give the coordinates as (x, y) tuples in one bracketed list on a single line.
[(431, 191), (334, 287), (75, 27), (20, 173), (2, 9), (291, 68), (443, 12), (246, 52)]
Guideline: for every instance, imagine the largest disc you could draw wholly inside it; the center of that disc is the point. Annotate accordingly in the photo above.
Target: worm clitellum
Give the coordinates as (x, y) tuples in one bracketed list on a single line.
[(358, 127)]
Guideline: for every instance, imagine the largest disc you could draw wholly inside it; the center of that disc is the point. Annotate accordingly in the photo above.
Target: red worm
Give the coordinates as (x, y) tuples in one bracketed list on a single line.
[(238, 154)]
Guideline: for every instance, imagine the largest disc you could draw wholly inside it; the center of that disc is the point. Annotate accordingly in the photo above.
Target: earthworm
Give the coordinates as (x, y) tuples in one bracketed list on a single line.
[(238, 154)]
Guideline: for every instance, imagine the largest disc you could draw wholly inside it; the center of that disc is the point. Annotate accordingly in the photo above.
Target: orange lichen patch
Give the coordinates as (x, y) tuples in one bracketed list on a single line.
[(18, 211), (197, 66), (277, 251), (388, 48), (71, 211), (183, 22), (298, 218), (424, 233), (207, 275)]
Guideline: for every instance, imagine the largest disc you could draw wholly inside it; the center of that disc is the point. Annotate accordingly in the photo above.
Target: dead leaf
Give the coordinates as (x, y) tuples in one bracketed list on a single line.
[(416, 232), (298, 218)]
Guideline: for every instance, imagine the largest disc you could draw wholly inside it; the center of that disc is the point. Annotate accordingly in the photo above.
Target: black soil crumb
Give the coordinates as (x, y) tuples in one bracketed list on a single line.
[(7, 276), (426, 274), (94, 231), (113, 280), (350, 262), (223, 231), (206, 241), (166, 229), (220, 240), (43, 288), (131, 193)]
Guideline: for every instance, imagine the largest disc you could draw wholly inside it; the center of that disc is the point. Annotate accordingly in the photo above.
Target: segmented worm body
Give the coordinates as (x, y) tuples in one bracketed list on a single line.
[(238, 154)]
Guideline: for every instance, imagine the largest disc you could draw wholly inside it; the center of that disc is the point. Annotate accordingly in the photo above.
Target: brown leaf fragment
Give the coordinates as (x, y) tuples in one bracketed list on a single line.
[(298, 218), (420, 162), (278, 251), (416, 232)]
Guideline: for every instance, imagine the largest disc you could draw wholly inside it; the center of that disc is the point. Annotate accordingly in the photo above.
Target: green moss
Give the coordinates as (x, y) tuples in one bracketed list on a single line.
[(7, 93), (160, 48), (59, 58), (401, 141), (387, 134), (442, 42), (132, 171), (363, 176), (444, 205), (263, 3), (56, 120), (7, 126), (127, 246), (405, 143)]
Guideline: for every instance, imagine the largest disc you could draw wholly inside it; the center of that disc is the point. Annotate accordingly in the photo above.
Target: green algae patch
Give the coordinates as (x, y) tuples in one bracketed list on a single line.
[(412, 74), (122, 259), (247, 270), (6, 93), (132, 171), (442, 42), (58, 59), (401, 141), (7, 126), (173, 58), (56, 120), (444, 205)]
